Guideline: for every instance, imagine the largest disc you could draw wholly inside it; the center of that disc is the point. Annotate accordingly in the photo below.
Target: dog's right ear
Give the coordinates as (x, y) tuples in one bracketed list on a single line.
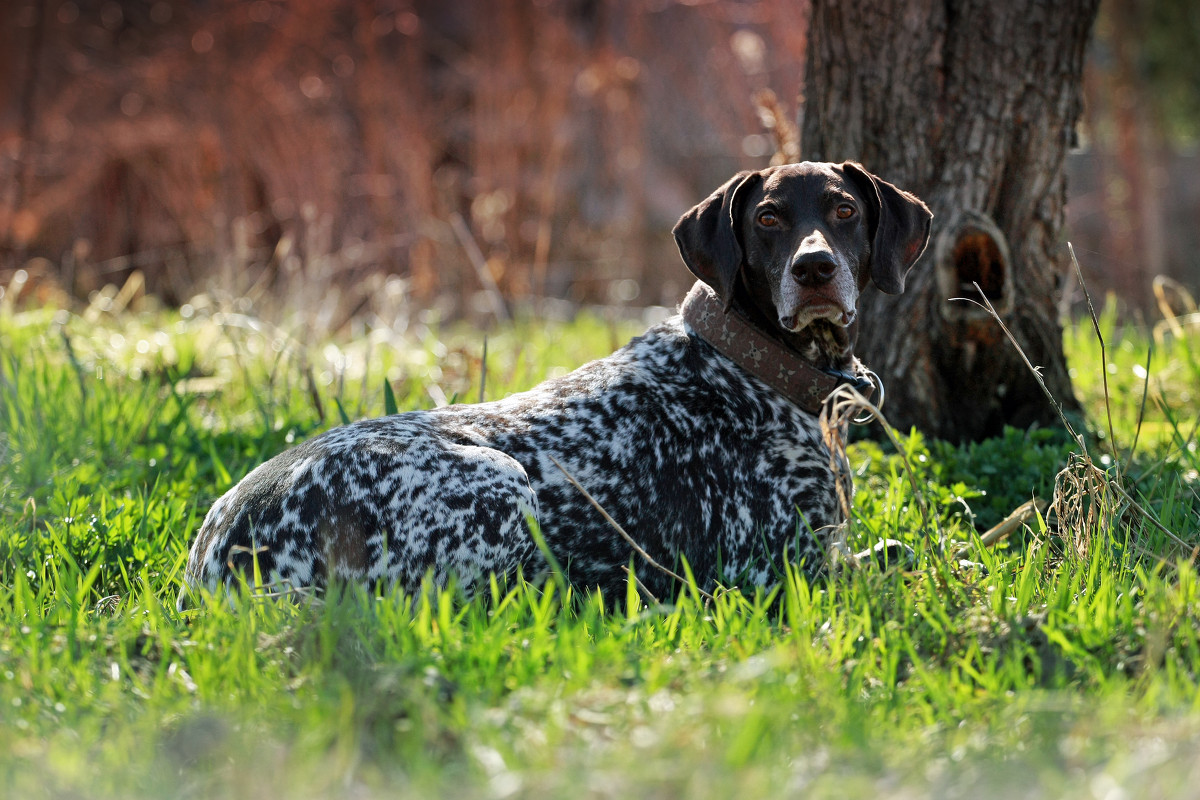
[(708, 235)]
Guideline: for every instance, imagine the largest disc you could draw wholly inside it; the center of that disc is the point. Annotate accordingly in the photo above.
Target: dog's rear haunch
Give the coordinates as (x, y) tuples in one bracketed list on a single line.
[(700, 437)]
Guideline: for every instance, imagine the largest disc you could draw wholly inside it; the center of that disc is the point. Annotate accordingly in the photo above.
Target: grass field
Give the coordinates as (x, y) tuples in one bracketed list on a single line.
[(1067, 669)]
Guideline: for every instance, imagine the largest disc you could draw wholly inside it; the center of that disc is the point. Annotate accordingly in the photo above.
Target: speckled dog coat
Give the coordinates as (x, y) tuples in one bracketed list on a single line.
[(691, 453)]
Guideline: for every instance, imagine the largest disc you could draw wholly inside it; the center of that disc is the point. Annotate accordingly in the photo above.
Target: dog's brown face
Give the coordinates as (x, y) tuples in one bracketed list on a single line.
[(793, 247)]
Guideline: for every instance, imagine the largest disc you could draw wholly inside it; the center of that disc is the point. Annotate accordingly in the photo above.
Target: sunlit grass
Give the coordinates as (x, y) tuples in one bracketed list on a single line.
[(1051, 672)]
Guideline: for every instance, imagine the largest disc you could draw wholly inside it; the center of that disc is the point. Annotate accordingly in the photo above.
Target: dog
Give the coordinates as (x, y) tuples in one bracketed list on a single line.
[(700, 438)]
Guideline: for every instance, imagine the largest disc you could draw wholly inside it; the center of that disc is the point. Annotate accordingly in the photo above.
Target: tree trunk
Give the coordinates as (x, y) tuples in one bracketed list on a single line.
[(970, 105)]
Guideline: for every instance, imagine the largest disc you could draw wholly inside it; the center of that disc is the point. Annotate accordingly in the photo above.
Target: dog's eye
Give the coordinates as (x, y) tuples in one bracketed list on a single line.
[(768, 219), (844, 211)]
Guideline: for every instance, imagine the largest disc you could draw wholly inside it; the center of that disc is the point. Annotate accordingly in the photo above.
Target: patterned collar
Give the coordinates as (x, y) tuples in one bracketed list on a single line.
[(763, 357)]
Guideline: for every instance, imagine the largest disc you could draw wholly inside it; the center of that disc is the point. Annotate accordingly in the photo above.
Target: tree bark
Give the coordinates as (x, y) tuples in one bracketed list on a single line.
[(971, 105)]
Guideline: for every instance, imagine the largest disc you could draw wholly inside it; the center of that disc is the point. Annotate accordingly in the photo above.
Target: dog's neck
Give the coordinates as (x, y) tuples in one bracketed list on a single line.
[(823, 344), (781, 366)]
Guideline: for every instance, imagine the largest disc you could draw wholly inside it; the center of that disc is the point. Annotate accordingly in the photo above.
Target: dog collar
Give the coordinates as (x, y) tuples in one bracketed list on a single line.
[(764, 357)]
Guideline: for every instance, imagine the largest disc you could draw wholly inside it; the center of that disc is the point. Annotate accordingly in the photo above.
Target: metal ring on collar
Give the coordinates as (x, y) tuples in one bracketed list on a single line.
[(878, 383)]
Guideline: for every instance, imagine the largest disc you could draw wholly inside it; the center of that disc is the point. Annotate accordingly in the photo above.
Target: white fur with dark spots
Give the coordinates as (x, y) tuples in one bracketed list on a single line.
[(692, 456)]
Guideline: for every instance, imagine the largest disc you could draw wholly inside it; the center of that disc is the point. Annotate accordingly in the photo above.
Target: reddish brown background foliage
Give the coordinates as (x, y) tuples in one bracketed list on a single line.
[(303, 149), (236, 142)]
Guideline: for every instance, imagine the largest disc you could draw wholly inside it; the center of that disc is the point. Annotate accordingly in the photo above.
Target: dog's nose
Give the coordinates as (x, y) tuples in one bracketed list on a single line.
[(814, 267)]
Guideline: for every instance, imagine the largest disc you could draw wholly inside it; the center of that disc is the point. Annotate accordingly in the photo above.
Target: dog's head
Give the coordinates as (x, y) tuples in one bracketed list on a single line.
[(794, 246)]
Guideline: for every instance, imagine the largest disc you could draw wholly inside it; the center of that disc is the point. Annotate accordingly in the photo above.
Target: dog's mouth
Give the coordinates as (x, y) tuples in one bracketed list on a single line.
[(800, 306), (820, 329), (828, 312)]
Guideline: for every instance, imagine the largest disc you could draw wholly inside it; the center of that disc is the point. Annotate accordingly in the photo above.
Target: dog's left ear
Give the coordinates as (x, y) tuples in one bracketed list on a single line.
[(708, 237), (900, 228)]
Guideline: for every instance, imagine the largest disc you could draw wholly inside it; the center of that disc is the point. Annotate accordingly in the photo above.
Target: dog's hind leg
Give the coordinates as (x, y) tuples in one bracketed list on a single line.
[(464, 512), (371, 509)]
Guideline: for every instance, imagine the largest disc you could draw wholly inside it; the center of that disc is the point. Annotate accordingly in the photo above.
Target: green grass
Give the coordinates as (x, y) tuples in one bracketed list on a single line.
[(1067, 669)]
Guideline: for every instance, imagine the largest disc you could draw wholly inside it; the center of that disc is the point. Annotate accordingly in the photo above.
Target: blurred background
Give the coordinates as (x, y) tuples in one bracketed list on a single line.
[(341, 156)]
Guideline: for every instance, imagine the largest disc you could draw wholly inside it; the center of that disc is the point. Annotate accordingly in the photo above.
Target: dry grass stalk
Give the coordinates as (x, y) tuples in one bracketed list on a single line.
[(641, 587), (844, 405), (1099, 337), (776, 119), (482, 271), (1177, 306), (1084, 493), (1083, 501)]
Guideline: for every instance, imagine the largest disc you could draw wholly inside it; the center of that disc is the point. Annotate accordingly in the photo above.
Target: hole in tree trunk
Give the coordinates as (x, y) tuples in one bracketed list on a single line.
[(972, 250), (977, 260)]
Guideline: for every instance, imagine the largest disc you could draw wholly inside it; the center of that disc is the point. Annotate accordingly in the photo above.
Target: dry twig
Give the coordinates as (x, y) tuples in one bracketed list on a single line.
[(1003, 529)]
